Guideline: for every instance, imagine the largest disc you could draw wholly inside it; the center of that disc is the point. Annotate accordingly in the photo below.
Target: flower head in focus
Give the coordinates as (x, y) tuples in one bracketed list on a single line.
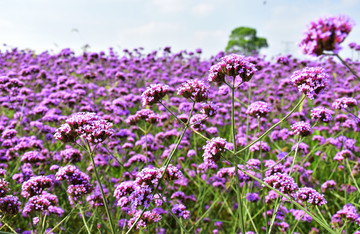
[(232, 65), (86, 125), (311, 81), (154, 94)]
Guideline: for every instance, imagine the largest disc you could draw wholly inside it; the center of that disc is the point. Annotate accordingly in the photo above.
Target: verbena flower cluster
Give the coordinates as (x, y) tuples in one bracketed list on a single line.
[(232, 65), (258, 109), (326, 34), (86, 125), (311, 81)]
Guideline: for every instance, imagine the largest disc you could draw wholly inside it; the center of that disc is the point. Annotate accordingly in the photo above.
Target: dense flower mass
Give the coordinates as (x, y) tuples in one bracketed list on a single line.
[(344, 102), (10, 205), (310, 196), (194, 89), (325, 34), (282, 182), (311, 81), (302, 129), (152, 161), (232, 65), (258, 109), (88, 126), (213, 150), (154, 94), (322, 114), (35, 186)]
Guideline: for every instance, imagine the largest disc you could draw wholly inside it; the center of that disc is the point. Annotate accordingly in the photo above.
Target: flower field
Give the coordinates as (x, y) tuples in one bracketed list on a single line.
[(167, 142)]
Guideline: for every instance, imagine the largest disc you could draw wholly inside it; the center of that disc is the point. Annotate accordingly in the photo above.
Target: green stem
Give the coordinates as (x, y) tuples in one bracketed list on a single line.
[(295, 154), (277, 205), (274, 126), (239, 199), (91, 152), (350, 69), (84, 220)]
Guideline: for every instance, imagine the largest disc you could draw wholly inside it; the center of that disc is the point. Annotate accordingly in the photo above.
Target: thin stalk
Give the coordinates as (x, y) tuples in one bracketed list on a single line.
[(91, 152), (84, 220), (277, 205), (274, 126), (350, 69), (295, 154), (239, 200)]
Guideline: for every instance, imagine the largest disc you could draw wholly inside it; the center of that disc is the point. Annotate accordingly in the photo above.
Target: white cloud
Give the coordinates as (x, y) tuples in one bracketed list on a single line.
[(202, 9)]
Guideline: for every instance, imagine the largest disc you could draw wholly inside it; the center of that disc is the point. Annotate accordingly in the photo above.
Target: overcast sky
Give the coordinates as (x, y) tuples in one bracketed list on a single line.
[(152, 24)]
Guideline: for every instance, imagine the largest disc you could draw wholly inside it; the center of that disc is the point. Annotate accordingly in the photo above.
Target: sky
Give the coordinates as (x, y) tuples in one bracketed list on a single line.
[(182, 24)]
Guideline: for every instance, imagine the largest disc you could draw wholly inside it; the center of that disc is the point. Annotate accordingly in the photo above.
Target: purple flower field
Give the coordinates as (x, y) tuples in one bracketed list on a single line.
[(166, 142)]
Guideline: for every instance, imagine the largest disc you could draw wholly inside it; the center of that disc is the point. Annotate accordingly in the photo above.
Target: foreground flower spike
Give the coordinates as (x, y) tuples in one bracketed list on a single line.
[(322, 114), (86, 125), (35, 186), (232, 65), (311, 196), (344, 102), (326, 34), (194, 89), (282, 182), (258, 109), (213, 150), (311, 81), (154, 94), (302, 129)]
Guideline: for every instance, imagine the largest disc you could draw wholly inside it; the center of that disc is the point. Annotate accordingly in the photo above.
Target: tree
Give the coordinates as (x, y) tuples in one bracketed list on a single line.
[(245, 41)]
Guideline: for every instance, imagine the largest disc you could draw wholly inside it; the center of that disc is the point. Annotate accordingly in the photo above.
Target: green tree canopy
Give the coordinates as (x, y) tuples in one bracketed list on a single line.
[(245, 41)]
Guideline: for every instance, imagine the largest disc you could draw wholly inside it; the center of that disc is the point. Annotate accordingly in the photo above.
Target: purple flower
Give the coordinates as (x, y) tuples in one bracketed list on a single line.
[(209, 109), (35, 186), (194, 89), (326, 34), (282, 182), (149, 217), (172, 173), (252, 197), (33, 157), (260, 144), (310, 81), (311, 196), (328, 185), (4, 187), (10, 205), (213, 150), (301, 215), (180, 211), (258, 109), (154, 94), (347, 213), (86, 125), (232, 65), (302, 129), (321, 113), (344, 103)]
